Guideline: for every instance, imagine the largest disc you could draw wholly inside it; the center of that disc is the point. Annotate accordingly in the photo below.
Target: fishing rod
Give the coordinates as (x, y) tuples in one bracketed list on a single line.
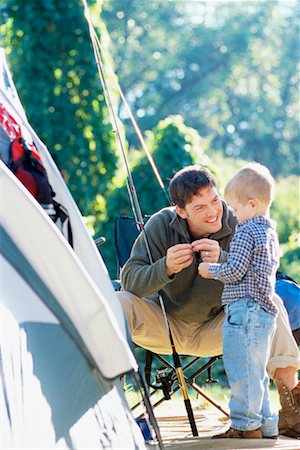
[(139, 134), (129, 182), (136, 207), (134, 122)]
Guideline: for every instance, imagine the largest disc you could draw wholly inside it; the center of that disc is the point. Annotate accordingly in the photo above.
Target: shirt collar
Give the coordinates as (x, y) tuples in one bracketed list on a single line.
[(259, 220), (180, 225)]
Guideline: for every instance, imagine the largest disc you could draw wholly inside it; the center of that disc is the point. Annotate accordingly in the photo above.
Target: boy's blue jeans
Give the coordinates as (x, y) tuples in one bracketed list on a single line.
[(247, 335)]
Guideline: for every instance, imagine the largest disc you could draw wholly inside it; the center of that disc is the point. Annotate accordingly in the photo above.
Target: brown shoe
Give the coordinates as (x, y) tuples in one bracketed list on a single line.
[(289, 415), (239, 434)]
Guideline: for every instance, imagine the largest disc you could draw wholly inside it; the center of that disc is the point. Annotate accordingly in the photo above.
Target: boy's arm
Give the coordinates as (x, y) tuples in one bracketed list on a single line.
[(238, 259), (203, 270)]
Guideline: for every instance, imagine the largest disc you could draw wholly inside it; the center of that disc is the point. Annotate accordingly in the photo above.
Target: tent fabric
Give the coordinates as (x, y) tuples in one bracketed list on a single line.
[(109, 319), (63, 340), (84, 245), (53, 394), (54, 261), (49, 404)]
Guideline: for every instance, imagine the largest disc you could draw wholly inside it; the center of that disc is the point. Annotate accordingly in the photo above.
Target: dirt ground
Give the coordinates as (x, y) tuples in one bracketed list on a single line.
[(176, 431)]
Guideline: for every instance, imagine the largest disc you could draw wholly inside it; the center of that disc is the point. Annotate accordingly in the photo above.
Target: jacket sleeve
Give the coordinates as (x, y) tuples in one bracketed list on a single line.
[(139, 275), (223, 256)]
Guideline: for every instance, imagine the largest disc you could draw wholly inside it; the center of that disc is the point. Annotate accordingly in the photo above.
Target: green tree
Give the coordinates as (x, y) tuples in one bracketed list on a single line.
[(260, 98), (289, 262), (51, 58), (286, 211), (229, 68), (172, 145)]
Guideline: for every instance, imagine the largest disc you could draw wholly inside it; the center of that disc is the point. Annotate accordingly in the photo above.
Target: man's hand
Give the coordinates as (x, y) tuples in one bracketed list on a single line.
[(208, 248), (203, 270), (179, 257)]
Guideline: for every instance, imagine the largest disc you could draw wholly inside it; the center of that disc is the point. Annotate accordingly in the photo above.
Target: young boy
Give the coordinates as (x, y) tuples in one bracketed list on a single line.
[(249, 283)]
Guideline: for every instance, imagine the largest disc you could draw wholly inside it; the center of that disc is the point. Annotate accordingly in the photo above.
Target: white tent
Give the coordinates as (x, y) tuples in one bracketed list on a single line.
[(63, 342)]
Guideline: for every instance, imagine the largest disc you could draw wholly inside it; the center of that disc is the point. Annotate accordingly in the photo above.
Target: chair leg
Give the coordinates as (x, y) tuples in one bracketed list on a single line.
[(148, 366), (198, 390), (209, 378), (189, 380)]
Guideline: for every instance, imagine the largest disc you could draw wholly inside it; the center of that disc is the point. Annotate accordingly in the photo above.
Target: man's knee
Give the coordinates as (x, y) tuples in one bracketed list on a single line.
[(278, 301), (126, 300), (282, 317), (284, 350)]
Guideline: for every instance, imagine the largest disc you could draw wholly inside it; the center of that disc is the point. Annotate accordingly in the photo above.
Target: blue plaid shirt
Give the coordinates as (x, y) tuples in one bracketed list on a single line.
[(251, 265)]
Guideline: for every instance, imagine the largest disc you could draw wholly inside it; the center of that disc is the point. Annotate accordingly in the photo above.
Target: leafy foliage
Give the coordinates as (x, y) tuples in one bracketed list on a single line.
[(286, 212), (289, 262), (229, 68), (52, 62), (286, 208), (173, 145)]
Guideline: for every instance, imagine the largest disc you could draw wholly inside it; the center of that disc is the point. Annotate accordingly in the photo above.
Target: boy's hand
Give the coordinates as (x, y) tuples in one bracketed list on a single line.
[(203, 270)]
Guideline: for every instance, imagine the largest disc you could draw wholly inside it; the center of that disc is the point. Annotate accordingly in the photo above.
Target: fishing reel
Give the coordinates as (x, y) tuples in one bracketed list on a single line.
[(165, 378)]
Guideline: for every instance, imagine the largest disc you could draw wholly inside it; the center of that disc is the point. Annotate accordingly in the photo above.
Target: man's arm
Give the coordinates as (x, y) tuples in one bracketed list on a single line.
[(143, 278)]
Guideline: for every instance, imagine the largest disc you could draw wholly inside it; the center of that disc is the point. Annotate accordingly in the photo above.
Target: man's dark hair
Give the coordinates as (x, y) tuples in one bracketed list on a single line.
[(187, 182)]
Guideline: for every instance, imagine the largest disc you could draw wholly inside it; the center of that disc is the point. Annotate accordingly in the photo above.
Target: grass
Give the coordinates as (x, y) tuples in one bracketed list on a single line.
[(219, 393)]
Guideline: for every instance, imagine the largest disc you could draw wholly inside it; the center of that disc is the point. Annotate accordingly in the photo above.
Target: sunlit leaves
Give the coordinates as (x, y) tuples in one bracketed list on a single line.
[(220, 65), (53, 65)]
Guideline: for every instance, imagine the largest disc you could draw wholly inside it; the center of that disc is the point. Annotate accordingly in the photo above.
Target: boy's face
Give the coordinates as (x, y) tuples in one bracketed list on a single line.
[(245, 211), (203, 213)]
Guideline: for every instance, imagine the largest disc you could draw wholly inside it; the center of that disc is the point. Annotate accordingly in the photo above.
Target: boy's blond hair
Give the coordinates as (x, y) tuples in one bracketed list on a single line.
[(253, 181)]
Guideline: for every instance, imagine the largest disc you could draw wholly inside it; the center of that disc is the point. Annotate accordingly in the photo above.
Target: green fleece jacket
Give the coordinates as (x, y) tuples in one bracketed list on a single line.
[(186, 295)]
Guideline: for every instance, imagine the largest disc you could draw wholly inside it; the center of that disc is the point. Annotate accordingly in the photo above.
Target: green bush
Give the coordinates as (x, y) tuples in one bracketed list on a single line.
[(289, 262), (285, 209)]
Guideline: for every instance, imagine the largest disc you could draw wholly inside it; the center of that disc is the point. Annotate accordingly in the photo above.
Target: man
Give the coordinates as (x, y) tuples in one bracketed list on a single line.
[(198, 228)]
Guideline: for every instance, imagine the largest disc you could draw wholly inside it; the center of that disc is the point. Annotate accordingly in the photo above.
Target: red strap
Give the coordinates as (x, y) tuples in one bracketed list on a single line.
[(13, 129), (9, 124)]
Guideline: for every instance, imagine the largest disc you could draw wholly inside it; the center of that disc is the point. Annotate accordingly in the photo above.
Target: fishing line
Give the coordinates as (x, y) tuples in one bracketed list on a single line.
[(136, 206), (138, 132)]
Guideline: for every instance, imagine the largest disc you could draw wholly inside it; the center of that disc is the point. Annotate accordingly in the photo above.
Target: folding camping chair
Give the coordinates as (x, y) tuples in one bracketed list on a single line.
[(165, 378)]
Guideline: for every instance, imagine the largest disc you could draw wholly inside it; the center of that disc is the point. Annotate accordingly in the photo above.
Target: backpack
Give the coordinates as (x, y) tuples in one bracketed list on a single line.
[(284, 276), (24, 160), (289, 291)]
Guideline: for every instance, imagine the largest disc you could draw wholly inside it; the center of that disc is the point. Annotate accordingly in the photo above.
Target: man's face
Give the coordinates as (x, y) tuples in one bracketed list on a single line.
[(203, 213)]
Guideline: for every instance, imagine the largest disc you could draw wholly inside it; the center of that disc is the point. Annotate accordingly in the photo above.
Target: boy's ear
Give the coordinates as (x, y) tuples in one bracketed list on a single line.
[(253, 203), (181, 212)]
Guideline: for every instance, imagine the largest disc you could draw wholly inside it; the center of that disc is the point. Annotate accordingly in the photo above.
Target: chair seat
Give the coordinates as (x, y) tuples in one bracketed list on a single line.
[(165, 378)]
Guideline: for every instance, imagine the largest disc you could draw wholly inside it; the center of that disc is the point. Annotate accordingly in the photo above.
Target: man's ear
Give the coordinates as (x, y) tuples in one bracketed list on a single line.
[(181, 212)]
